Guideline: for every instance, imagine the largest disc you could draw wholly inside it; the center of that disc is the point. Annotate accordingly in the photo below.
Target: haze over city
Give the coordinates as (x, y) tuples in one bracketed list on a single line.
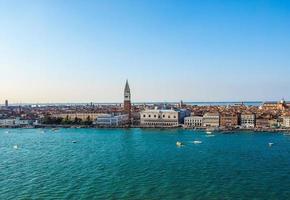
[(83, 51)]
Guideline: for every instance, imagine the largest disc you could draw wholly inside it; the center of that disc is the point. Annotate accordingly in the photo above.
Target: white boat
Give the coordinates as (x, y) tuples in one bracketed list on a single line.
[(15, 146), (208, 132), (197, 142), (179, 144), (74, 141)]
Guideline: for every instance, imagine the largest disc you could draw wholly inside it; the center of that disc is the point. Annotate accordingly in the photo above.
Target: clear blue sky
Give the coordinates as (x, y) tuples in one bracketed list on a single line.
[(195, 50)]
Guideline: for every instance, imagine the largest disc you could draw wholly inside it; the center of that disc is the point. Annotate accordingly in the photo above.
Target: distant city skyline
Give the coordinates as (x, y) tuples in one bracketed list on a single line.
[(198, 51)]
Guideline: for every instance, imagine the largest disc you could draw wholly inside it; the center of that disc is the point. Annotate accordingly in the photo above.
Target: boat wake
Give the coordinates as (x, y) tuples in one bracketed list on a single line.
[(196, 142), (209, 135)]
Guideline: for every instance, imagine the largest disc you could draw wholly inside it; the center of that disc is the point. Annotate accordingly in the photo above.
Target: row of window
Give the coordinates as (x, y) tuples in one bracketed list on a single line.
[(163, 116), (193, 124), (163, 124), (247, 121), (192, 120)]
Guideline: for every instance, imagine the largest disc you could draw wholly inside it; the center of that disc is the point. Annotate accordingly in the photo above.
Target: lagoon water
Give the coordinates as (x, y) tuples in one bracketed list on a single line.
[(142, 164)]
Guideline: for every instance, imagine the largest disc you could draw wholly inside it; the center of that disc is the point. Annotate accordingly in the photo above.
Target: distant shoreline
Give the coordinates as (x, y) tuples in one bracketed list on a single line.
[(200, 103)]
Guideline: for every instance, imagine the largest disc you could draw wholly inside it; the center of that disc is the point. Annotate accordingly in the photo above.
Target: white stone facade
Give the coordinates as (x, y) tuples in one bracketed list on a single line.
[(7, 122), (211, 120), (82, 116), (159, 118), (286, 121), (109, 120), (248, 120), (193, 121), (14, 122)]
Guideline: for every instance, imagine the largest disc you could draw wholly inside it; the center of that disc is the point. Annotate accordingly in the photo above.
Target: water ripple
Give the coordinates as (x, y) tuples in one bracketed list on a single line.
[(142, 164)]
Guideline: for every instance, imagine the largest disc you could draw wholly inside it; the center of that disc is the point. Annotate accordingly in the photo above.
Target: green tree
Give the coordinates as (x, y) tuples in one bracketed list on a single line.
[(88, 121), (77, 121), (51, 120), (66, 120)]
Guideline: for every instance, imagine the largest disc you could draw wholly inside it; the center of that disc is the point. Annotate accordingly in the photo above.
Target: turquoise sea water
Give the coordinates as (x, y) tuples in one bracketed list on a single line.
[(142, 164)]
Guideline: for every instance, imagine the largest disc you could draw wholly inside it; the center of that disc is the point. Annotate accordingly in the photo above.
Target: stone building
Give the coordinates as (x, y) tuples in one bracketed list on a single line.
[(248, 120), (262, 122), (229, 120), (79, 115), (159, 118), (193, 121), (286, 121), (16, 122), (211, 120), (109, 120), (273, 105)]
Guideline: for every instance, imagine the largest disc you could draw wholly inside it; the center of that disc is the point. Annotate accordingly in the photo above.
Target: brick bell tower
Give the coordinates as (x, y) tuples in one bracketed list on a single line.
[(127, 101)]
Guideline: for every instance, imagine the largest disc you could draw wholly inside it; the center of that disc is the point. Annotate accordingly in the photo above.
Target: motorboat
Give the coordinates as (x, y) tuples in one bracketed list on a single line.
[(197, 142), (179, 144)]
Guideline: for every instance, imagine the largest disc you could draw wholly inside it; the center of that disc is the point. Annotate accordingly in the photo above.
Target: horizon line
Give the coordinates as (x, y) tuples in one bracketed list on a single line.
[(139, 102)]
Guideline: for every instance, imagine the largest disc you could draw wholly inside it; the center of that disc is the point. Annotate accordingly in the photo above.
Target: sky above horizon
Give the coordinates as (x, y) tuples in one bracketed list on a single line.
[(54, 51)]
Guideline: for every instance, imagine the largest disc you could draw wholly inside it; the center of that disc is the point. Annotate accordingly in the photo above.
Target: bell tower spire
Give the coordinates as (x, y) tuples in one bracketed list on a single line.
[(127, 93), (127, 101)]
